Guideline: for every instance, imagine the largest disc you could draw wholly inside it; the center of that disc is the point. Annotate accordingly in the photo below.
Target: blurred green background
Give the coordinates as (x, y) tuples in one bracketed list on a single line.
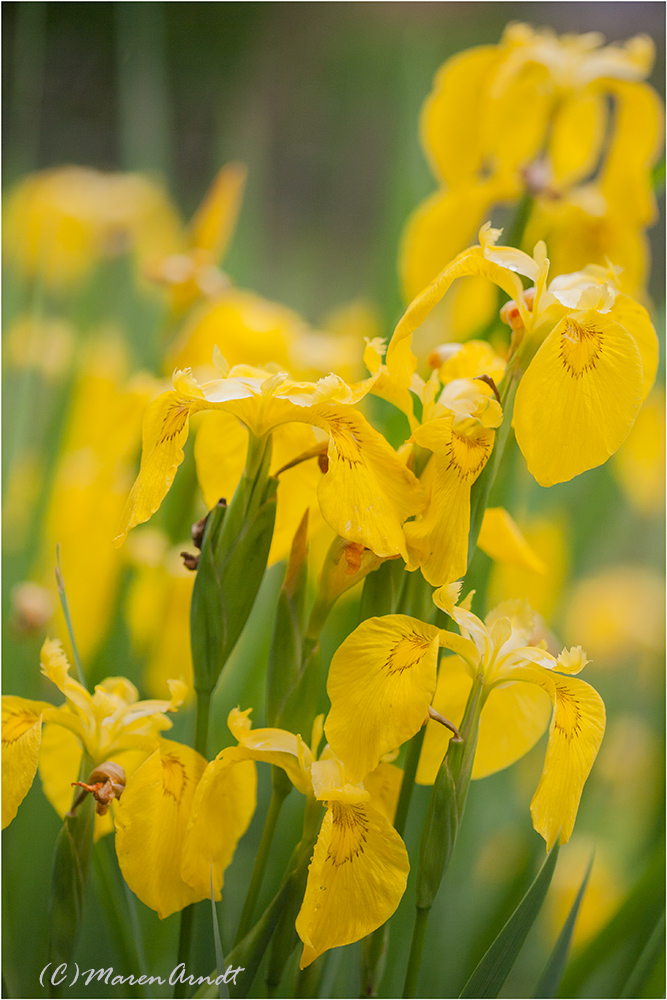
[(322, 100)]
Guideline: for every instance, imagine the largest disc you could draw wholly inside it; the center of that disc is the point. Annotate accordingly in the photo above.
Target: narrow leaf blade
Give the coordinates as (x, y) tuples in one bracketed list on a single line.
[(495, 965), (550, 978)]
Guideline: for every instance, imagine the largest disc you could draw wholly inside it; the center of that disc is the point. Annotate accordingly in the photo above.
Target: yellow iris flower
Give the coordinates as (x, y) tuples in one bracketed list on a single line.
[(384, 679), (360, 865), (591, 354), (111, 723), (367, 492), (538, 114)]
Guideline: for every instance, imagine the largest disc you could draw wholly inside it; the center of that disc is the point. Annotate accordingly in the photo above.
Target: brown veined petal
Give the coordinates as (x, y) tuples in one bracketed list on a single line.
[(21, 740), (355, 881), (579, 398), (151, 821), (438, 540), (381, 681), (575, 735), (368, 491), (222, 808)]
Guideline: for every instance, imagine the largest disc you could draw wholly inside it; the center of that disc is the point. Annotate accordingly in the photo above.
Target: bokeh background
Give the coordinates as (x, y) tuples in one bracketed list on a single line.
[(321, 101)]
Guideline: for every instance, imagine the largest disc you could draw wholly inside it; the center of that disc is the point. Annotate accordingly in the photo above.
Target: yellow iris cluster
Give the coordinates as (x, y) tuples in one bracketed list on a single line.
[(525, 118)]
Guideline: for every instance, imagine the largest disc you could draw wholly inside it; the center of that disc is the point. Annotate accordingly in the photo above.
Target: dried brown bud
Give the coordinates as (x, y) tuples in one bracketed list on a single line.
[(190, 561), (105, 783)]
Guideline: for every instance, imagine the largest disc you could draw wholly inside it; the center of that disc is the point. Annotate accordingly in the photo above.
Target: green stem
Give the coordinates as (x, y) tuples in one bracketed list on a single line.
[(184, 946), (201, 722), (64, 603), (416, 949), (461, 756), (128, 933), (261, 860), (408, 783)]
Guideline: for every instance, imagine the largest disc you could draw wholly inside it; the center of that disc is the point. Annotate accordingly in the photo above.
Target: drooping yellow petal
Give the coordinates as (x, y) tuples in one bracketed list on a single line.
[(400, 360), (355, 881), (21, 740), (368, 492), (151, 821), (381, 681), (513, 719), (579, 398), (636, 320), (577, 728), (502, 540), (165, 432), (438, 540), (222, 808)]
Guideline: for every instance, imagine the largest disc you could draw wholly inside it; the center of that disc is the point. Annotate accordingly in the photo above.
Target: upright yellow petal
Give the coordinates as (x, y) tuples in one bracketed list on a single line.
[(400, 360), (54, 665), (513, 719), (214, 221), (355, 881), (438, 540), (368, 492), (151, 822), (381, 681), (579, 398), (222, 808), (575, 735), (577, 135), (384, 786), (21, 740), (450, 120), (501, 538)]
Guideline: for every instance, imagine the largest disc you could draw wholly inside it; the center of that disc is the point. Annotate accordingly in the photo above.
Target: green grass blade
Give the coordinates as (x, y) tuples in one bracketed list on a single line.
[(223, 992), (646, 962), (550, 978), (636, 915), (495, 966)]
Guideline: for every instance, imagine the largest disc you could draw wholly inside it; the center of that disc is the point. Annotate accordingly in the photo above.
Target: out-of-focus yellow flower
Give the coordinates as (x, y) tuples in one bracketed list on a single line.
[(90, 485), (603, 892), (110, 723), (618, 613), (367, 492), (538, 114), (45, 345), (59, 223), (590, 354), (548, 542), (639, 465), (158, 609), (190, 269)]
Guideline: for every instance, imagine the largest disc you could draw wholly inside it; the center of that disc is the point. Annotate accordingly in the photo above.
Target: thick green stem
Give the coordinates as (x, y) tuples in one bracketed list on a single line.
[(408, 783), (184, 946), (416, 949), (277, 798), (201, 722)]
